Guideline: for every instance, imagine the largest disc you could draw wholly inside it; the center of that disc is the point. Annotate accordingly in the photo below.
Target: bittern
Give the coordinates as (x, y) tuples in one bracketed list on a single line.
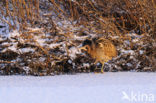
[(102, 50)]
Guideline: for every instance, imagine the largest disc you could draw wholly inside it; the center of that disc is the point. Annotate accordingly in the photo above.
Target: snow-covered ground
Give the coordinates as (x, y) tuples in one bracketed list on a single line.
[(119, 87)]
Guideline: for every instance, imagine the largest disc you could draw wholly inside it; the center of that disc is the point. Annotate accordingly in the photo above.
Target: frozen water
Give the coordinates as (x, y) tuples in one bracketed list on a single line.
[(120, 87)]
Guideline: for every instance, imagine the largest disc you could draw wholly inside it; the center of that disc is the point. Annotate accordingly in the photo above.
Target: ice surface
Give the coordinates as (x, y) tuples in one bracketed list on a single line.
[(120, 87)]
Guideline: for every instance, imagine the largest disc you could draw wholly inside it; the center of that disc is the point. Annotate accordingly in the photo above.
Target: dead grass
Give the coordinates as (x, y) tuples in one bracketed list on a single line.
[(113, 19)]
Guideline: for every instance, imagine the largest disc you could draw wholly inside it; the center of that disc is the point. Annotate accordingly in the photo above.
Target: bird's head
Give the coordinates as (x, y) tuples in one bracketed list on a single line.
[(86, 46)]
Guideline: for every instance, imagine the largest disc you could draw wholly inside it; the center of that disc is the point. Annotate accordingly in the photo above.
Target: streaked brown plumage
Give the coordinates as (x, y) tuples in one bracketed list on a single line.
[(100, 49)]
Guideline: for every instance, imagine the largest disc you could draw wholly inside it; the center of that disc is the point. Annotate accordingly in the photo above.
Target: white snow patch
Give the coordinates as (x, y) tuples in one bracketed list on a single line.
[(35, 29), (1, 39), (4, 31), (73, 51), (42, 59), (80, 88), (25, 50), (26, 69), (127, 42), (69, 61), (79, 38), (54, 45), (40, 41), (135, 35), (128, 51), (114, 37), (141, 51), (5, 44), (86, 65), (129, 65), (135, 40), (12, 48), (15, 33)]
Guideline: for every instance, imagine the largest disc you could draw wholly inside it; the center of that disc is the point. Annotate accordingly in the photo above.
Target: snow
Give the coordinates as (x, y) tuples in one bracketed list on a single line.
[(12, 48), (119, 87), (15, 33), (141, 51), (25, 50), (73, 51), (86, 65), (4, 31), (128, 52), (54, 45)]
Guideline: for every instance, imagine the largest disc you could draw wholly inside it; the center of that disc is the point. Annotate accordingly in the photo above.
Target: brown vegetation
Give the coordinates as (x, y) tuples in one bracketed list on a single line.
[(129, 24)]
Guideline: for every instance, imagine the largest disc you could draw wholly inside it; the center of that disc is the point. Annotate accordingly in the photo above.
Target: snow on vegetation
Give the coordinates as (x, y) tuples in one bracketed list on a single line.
[(51, 44), (41, 44), (73, 51), (38, 44), (4, 28), (14, 34)]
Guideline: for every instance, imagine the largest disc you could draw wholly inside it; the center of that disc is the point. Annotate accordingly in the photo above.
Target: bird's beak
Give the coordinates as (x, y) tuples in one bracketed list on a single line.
[(82, 48)]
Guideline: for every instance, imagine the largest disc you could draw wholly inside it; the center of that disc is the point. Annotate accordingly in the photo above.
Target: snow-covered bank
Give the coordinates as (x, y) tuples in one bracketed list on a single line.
[(120, 87)]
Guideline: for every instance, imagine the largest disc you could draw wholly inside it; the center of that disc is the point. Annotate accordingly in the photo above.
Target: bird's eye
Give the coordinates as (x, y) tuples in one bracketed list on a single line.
[(87, 48)]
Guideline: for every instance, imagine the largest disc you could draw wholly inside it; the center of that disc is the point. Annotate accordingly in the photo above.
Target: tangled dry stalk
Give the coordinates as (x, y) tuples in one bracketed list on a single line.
[(54, 29)]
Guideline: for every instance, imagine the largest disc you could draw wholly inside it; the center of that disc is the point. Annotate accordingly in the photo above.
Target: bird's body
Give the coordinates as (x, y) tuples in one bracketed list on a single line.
[(100, 49)]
